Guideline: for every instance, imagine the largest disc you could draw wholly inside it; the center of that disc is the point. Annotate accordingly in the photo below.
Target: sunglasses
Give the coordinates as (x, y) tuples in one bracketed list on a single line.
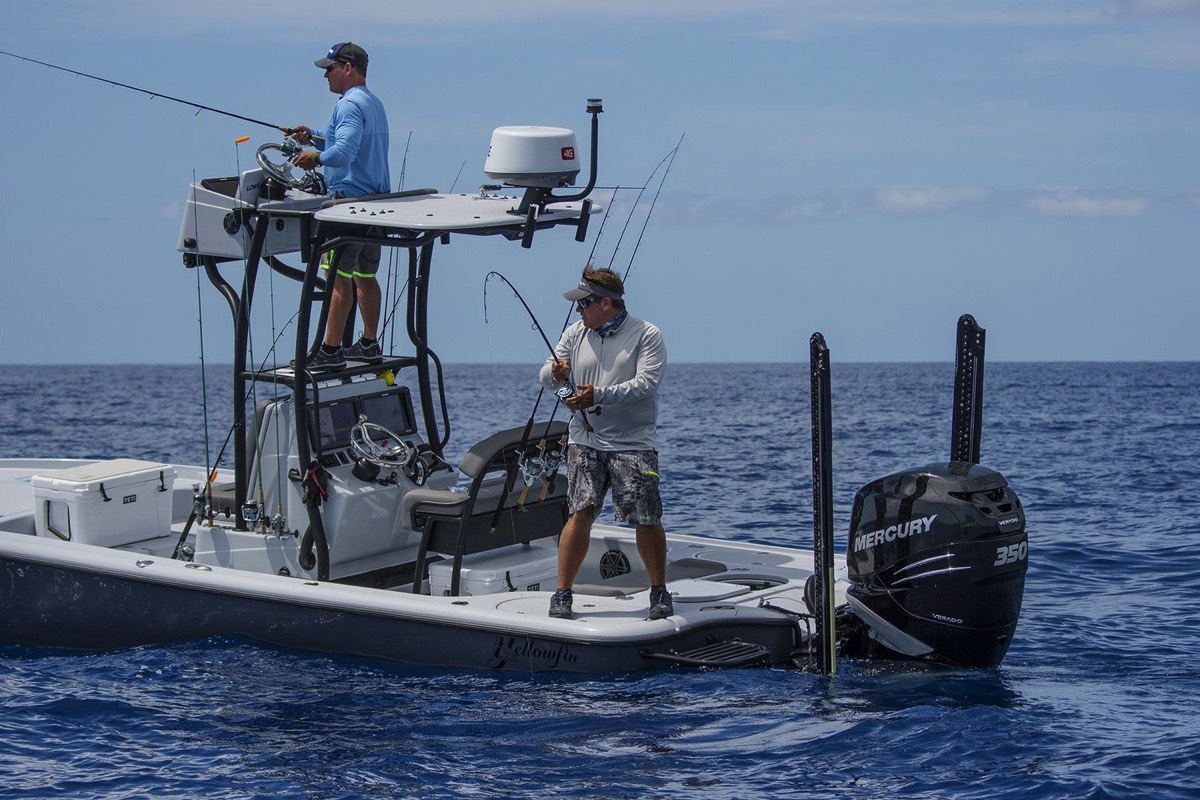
[(587, 301)]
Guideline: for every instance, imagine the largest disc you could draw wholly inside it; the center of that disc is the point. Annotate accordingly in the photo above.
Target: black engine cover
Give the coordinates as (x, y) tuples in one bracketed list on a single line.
[(936, 559)]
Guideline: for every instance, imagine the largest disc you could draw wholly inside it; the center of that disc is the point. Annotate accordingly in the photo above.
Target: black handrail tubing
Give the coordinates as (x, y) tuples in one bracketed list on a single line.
[(419, 332), (290, 272), (221, 285)]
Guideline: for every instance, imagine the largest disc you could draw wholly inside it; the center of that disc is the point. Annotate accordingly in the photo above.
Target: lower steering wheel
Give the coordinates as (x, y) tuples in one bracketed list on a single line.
[(377, 445), (285, 172)]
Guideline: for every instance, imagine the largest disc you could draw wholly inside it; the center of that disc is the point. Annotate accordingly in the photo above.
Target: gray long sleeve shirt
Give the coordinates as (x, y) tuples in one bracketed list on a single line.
[(625, 368)]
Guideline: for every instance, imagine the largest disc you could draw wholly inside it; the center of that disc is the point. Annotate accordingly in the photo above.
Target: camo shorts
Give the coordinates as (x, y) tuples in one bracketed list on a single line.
[(632, 474)]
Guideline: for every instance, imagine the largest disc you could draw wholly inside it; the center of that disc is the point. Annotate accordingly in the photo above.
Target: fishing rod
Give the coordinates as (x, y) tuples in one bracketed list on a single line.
[(198, 106), (564, 392), (536, 325), (666, 172), (641, 191), (404, 162), (600, 234)]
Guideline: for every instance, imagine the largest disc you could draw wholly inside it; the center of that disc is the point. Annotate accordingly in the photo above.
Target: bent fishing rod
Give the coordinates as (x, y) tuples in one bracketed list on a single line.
[(198, 106), (564, 392)]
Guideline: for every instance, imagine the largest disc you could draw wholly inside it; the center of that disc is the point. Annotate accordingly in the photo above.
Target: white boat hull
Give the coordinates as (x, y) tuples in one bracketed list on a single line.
[(67, 594)]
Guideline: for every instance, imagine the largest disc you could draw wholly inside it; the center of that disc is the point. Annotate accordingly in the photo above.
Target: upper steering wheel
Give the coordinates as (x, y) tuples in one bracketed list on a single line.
[(287, 173), (390, 453)]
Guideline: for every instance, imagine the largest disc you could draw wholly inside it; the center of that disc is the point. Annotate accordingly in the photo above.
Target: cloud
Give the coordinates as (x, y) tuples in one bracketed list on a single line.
[(919, 201), (829, 204), (1070, 201), (928, 199)]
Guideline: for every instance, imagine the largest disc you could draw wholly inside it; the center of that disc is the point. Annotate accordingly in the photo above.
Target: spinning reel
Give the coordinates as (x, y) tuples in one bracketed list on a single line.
[(533, 467)]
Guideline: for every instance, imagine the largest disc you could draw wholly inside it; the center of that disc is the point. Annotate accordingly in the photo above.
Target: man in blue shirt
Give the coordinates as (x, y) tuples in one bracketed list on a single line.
[(354, 152)]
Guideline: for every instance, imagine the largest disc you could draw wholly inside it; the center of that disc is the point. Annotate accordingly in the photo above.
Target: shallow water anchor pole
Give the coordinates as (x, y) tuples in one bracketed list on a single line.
[(822, 472), (967, 414)]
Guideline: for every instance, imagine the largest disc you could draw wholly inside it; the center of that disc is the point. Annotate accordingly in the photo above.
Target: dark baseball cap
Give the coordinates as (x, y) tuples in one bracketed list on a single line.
[(348, 52)]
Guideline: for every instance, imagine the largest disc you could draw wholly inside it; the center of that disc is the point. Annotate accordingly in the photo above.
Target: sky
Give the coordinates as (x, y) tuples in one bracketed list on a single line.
[(869, 169)]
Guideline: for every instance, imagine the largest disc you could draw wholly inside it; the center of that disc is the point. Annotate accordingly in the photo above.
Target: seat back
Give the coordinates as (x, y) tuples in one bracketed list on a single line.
[(499, 508)]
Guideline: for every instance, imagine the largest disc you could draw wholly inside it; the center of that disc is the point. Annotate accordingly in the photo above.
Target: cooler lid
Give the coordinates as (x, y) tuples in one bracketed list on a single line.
[(117, 472)]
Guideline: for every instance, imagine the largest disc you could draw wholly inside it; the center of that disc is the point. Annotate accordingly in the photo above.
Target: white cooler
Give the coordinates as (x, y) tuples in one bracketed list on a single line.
[(515, 568), (109, 503)]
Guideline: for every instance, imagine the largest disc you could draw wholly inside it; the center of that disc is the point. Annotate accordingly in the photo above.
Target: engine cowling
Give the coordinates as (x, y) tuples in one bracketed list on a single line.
[(936, 561)]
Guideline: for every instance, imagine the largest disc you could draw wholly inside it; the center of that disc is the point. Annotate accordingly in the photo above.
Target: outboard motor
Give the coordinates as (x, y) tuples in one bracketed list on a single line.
[(936, 561), (937, 555)]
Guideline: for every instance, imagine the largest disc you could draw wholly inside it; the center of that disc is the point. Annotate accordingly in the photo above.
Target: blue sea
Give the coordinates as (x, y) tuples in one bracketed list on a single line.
[(1096, 699)]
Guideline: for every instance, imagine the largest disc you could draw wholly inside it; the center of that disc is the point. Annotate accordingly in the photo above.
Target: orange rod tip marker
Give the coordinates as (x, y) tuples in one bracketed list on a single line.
[(241, 139)]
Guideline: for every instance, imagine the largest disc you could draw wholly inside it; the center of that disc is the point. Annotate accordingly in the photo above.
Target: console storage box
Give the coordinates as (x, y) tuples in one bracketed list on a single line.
[(516, 568), (109, 503)]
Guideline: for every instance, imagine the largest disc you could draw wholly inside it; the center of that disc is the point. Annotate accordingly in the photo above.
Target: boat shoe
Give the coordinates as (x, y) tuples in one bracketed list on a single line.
[(367, 353), (661, 605)]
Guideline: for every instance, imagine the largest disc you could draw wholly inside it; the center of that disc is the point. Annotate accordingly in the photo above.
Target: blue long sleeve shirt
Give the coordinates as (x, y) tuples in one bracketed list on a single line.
[(355, 148)]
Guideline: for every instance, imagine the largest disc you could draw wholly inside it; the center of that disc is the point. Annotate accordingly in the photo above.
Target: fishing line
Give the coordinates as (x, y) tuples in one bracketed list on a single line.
[(390, 317), (198, 106), (456, 177)]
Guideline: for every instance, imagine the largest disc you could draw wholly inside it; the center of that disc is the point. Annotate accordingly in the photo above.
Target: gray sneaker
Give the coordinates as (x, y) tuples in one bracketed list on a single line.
[(327, 362), (560, 604), (661, 605), (370, 353)]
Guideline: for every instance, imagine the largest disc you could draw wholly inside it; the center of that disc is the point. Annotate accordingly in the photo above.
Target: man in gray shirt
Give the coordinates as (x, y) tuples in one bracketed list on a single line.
[(616, 363)]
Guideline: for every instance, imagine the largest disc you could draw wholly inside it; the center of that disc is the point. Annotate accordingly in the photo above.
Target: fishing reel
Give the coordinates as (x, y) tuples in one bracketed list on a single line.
[(285, 172), (541, 466)]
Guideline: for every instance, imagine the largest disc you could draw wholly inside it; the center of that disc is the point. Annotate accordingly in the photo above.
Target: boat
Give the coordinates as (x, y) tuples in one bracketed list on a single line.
[(344, 529)]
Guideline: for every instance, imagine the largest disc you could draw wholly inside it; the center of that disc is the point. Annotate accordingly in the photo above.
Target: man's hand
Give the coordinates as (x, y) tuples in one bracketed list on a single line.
[(301, 133), (306, 160), (560, 369), (583, 399)]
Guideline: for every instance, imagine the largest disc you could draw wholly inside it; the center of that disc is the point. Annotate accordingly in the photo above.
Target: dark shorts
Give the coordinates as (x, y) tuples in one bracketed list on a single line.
[(355, 260), (632, 474)]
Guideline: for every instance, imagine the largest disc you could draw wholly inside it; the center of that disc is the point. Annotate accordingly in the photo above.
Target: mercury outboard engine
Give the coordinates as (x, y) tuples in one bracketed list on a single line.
[(936, 560), (937, 555)]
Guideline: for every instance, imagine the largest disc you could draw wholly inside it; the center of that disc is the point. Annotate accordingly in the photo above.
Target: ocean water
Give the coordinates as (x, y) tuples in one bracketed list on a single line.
[(1096, 699)]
